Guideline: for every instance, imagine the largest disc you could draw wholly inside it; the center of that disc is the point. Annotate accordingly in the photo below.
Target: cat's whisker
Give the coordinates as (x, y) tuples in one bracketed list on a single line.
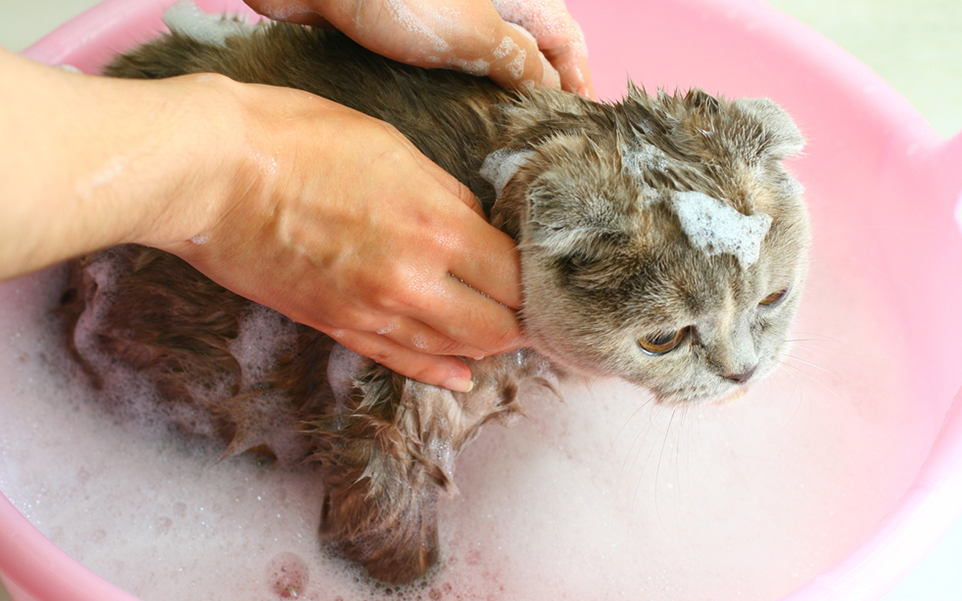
[(811, 378), (852, 350), (674, 479), (813, 364), (640, 437), (796, 391), (640, 474), (651, 426), (689, 444), (796, 384), (681, 446), (783, 367), (621, 430), (661, 456)]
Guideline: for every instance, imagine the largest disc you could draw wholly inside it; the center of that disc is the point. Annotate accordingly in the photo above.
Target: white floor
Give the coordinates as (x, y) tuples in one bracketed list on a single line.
[(916, 46)]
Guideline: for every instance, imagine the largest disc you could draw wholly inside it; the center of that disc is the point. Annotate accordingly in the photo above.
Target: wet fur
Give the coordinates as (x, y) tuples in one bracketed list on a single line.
[(604, 262)]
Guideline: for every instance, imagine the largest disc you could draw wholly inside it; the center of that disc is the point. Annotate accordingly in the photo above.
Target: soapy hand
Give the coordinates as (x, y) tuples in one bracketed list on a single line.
[(315, 210), (387, 258), (514, 42)]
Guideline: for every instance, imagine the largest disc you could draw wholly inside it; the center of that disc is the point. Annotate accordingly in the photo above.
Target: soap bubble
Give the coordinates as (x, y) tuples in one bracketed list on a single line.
[(287, 575)]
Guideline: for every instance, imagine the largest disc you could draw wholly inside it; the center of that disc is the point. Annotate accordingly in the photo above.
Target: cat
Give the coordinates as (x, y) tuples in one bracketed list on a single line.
[(662, 241)]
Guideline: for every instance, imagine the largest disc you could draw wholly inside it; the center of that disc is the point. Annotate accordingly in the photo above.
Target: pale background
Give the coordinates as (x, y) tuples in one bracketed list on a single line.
[(915, 45)]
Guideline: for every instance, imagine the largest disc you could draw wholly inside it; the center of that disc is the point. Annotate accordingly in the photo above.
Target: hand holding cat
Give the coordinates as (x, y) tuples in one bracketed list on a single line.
[(386, 258), (511, 41), (263, 190), (307, 230)]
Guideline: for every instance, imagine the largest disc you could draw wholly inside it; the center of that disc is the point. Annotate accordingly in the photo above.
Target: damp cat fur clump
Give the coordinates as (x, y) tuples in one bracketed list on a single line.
[(662, 241)]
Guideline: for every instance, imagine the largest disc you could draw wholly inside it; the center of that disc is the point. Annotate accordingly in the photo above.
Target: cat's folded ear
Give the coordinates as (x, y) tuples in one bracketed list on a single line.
[(780, 135), (577, 197)]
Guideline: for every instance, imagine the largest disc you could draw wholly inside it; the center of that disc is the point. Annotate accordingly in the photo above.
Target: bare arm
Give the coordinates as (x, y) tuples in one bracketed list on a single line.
[(228, 177), (88, 153)]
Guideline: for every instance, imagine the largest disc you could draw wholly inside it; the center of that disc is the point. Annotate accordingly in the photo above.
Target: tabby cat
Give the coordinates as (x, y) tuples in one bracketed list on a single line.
[(661, 239)]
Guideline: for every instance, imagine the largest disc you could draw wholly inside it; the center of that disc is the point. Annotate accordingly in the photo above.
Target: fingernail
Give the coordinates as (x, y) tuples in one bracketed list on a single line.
[(459, 384)]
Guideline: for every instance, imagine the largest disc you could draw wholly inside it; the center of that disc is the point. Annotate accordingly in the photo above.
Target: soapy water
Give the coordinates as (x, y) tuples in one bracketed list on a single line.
[(288, 576), (604, 496)]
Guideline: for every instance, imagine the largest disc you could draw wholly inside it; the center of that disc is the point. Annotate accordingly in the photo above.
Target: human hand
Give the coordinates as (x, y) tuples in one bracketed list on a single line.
[(340, 223), (324, 214), (482, 37)]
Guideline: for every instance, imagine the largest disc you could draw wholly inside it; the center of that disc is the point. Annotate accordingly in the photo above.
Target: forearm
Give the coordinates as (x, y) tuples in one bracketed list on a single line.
[(89, 162)]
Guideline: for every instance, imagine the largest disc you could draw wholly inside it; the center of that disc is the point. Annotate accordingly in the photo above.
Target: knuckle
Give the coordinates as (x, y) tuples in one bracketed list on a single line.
[(448, 346), (503, 339), (376, 352)]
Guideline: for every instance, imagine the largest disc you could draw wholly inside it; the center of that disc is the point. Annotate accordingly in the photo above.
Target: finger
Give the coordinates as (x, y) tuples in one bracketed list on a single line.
[(291, 12), (517, 62), (571, 61), (447, 372), (558, 36), (463, 314), (417, 336), (486, 259), (451, 184), (442, 177)]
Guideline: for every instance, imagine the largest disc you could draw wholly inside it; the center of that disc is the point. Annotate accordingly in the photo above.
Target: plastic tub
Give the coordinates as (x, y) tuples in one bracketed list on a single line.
[(884, 193)]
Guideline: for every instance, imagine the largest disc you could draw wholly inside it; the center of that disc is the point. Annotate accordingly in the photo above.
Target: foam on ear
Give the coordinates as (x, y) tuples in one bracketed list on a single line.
[(502, 165), (185, 18), (717, 228)]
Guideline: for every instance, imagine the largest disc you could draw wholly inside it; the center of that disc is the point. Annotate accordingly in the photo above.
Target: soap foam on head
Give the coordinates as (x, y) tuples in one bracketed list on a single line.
[(641, 159), (501, 165), (716, 228)]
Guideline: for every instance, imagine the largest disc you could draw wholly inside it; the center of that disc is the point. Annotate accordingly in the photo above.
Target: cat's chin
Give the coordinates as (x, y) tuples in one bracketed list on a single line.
[(719, 398), (731, 397)]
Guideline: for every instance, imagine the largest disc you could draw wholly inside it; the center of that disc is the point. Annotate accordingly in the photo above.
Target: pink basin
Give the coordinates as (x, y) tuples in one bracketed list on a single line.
[(882, 186)]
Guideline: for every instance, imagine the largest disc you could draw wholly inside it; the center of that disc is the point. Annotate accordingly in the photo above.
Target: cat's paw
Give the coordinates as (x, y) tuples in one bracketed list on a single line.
[(393, 534), (381, 488)]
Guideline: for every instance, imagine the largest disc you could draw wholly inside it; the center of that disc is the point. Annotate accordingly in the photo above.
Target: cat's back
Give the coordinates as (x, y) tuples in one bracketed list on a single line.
[(446, 114)]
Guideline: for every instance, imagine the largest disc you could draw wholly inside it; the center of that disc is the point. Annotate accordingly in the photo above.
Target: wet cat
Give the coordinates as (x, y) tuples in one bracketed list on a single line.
[(662, 241)]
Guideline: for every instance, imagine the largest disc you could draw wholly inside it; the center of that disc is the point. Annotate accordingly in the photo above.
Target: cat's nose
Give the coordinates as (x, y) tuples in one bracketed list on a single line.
[(742, 377)]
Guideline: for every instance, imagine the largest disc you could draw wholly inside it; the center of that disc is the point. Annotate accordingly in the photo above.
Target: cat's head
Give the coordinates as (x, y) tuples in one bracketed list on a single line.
[(661, 239)]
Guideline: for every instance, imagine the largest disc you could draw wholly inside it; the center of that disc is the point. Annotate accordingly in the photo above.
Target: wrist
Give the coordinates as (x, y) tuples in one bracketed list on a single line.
[(202, 155), (103, 161)]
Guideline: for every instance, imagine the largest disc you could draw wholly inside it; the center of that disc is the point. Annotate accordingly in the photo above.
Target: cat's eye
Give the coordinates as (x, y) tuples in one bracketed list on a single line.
[(774, 298), (663, 342)]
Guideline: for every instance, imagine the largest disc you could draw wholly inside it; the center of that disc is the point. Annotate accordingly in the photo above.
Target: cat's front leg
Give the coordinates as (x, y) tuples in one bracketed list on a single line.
[(383, 472), (388, 448)]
